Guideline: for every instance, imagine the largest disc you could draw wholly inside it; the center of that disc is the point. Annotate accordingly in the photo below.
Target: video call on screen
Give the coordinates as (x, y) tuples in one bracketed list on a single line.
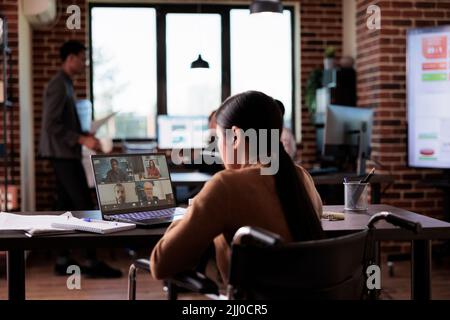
[(133, 182)]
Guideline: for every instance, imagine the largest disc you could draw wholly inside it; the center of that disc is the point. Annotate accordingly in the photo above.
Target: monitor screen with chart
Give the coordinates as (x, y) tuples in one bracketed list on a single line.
[(428, 106), (182, 132)]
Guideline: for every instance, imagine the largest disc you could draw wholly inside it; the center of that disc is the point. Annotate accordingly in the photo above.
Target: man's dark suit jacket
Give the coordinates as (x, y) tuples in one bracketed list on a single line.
[(61, 127)]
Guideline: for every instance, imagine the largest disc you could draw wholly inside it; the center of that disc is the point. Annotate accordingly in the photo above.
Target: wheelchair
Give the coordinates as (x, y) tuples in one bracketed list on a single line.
[(263, 267)]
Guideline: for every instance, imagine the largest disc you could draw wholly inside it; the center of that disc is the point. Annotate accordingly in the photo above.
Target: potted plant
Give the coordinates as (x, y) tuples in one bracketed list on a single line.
[(313, 83), (330, 55)]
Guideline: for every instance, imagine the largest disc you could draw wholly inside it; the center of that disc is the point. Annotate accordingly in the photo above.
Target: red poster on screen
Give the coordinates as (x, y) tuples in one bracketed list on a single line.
[(435, 47)]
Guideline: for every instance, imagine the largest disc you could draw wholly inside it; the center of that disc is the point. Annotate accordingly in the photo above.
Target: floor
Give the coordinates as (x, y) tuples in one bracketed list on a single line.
[(42, 284)]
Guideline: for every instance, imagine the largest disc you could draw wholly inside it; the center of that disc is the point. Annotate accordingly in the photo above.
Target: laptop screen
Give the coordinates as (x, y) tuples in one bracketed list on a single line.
[(132, 182)]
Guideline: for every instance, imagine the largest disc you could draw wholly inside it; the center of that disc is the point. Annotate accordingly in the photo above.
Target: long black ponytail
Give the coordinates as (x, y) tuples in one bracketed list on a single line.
[(255, 110)]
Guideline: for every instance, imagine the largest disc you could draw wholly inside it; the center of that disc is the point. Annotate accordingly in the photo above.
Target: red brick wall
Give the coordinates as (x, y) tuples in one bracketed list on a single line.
[(46, 62), (381, 67), (9, 8), (321, 26)]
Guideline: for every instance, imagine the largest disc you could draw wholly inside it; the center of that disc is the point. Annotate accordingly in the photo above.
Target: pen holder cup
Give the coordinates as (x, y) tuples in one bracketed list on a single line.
[(356, 196)]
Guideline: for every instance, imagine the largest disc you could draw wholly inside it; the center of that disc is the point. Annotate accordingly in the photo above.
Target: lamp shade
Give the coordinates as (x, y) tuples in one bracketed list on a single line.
[(258, 6), (200, 63)]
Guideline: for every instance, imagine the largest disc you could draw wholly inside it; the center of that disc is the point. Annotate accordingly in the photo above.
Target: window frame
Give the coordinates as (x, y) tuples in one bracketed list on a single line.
[(161, 60)]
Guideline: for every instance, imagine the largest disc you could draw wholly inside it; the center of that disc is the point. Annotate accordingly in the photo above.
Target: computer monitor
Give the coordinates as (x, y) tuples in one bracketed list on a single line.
[(182, 132), (347, 135), (428, 93)]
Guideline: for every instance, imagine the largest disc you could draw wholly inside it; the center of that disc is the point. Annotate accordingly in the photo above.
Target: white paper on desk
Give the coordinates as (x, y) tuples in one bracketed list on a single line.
[(95, 125), (32, 224)]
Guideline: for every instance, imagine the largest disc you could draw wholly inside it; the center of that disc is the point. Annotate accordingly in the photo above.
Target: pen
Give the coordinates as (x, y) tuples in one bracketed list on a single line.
[(368, 177), (98, 221)]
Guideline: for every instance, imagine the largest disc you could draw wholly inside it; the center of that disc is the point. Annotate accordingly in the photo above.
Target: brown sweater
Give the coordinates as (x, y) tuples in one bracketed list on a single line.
[(230, 200)]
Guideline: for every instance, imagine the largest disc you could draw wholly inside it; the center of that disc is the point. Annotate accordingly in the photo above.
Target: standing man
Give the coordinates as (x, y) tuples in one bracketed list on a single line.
[(61, 135), (61, 142)]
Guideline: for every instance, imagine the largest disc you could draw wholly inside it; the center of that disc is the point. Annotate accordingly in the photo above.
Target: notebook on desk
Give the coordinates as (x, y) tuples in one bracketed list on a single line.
[(95, 226), (135, 188)]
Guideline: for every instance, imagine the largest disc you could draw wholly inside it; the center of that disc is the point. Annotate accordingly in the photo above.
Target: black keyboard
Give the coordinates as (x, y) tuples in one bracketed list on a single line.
[(147, 215)]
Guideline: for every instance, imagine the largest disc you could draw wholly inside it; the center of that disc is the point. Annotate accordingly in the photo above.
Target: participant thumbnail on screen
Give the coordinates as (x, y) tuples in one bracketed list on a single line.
[(117, 194), (113, 170)]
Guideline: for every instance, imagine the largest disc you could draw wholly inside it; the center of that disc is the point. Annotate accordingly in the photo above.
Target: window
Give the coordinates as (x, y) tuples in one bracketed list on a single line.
[(197, 91), (261, 57), (124, 70), (141, 57)]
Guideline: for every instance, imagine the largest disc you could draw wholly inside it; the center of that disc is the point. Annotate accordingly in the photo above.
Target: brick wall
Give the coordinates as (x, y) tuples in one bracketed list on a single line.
[(321, 26), (381, 67), (9, 8), (46, 62)]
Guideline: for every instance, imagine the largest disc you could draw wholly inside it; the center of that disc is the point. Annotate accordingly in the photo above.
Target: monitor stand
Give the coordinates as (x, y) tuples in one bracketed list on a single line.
[(362, 156), (361, 166)]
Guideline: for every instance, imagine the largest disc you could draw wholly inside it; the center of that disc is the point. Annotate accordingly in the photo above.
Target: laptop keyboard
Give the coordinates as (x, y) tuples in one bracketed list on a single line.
[(146, 215)]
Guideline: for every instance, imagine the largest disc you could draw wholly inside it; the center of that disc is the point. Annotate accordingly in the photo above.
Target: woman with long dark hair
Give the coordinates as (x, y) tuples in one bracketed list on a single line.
[(152, 170), (285, 202)]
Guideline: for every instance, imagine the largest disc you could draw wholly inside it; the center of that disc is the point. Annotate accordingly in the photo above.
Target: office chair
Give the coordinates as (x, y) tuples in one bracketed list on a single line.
[(263, 267)]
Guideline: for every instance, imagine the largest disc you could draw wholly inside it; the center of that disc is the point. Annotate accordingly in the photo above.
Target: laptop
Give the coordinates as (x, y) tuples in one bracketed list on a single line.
[(135, 188)]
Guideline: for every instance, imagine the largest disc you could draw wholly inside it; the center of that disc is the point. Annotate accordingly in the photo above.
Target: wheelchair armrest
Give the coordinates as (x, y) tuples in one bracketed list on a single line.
[(143, 264), (194, 282), (395, 220), (256, 236)]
